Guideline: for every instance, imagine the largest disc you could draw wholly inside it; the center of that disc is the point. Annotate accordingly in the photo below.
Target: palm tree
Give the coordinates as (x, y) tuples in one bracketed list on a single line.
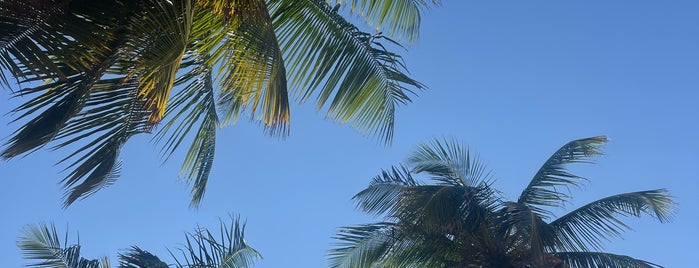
[(41, 244), (94, 74), (461, 221)]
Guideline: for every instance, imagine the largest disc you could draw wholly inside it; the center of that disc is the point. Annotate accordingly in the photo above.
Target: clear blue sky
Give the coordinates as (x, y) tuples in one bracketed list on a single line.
[(513, 79)]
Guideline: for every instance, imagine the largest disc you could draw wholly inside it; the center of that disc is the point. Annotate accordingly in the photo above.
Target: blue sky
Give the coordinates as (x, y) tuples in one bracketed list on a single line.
[(515, 80)]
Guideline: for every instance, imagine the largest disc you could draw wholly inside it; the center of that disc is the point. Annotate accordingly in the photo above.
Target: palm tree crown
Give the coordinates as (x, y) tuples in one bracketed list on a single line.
[(41, 244), (97, 73), (461, 221)]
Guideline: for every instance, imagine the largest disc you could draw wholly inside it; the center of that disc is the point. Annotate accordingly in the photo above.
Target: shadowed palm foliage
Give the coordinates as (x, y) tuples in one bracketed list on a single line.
[(461, 221), (93, 74), (41, 244)]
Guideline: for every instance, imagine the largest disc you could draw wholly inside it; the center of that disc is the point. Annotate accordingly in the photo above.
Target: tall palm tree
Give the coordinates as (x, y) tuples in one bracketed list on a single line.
[(96, 73), (41, 244), (461, 221)]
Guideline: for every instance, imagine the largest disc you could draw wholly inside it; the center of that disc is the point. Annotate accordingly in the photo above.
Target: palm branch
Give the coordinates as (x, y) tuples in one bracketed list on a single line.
[(194, 65), (599, 220), (41, 244), (544, 190)]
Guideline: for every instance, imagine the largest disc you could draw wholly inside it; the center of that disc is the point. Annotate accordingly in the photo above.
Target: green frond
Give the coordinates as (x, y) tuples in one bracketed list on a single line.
[(351, 74), (449, 162), (600, 220), (385, 190), (110, 117), (40, 243), (601, 259), (227, 249), (47, 38), (158, 41), (362, 246), (398, 18), (251, 72), (544, 190), (194, 104), (135, 257)]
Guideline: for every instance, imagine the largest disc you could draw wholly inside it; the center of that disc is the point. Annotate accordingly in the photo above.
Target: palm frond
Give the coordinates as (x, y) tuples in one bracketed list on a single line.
[(41, 244), (251, 71), (599, 220), (111, 116), (362, 245), (527, 231), (350, 72), (385, 190), (449, 162), (193, 104), (228, 249), (135, 257), (400, 19), (601, 259), (159, 37), (544, 190)]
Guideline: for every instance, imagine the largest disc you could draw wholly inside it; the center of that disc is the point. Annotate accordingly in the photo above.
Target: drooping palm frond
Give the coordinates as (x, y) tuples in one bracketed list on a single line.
[(194, 104), (252, 74), (448, 162), (47, 38), (351, 74), (112, 116), (41, 244), (135, 257), (159, 36), (228, 249), (601, 259), (400, 19), (544, 190), (600, 220)]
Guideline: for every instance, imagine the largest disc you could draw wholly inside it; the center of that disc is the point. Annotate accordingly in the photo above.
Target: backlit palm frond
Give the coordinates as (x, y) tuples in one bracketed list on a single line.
[(111, 116), (545, 188), (193, 105), (250, 68), (384, 192), (227, 249), (135, 257), (449, 162), (601, 259), (60, 97), (159, 37), (350, 72), (600, 220), (44, 39), (362, 245), (400, 19), (41, 244)]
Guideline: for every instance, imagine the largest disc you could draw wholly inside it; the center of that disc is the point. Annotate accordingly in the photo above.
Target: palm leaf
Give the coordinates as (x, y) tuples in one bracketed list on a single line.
[(384, 192), (542, 189), (251, 72), (228, 249), (601, 259), (398, 18), (351, 74), (448, 162), (362, 246), (138, 258), (41, 244), (194, 104), (599, 220)]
